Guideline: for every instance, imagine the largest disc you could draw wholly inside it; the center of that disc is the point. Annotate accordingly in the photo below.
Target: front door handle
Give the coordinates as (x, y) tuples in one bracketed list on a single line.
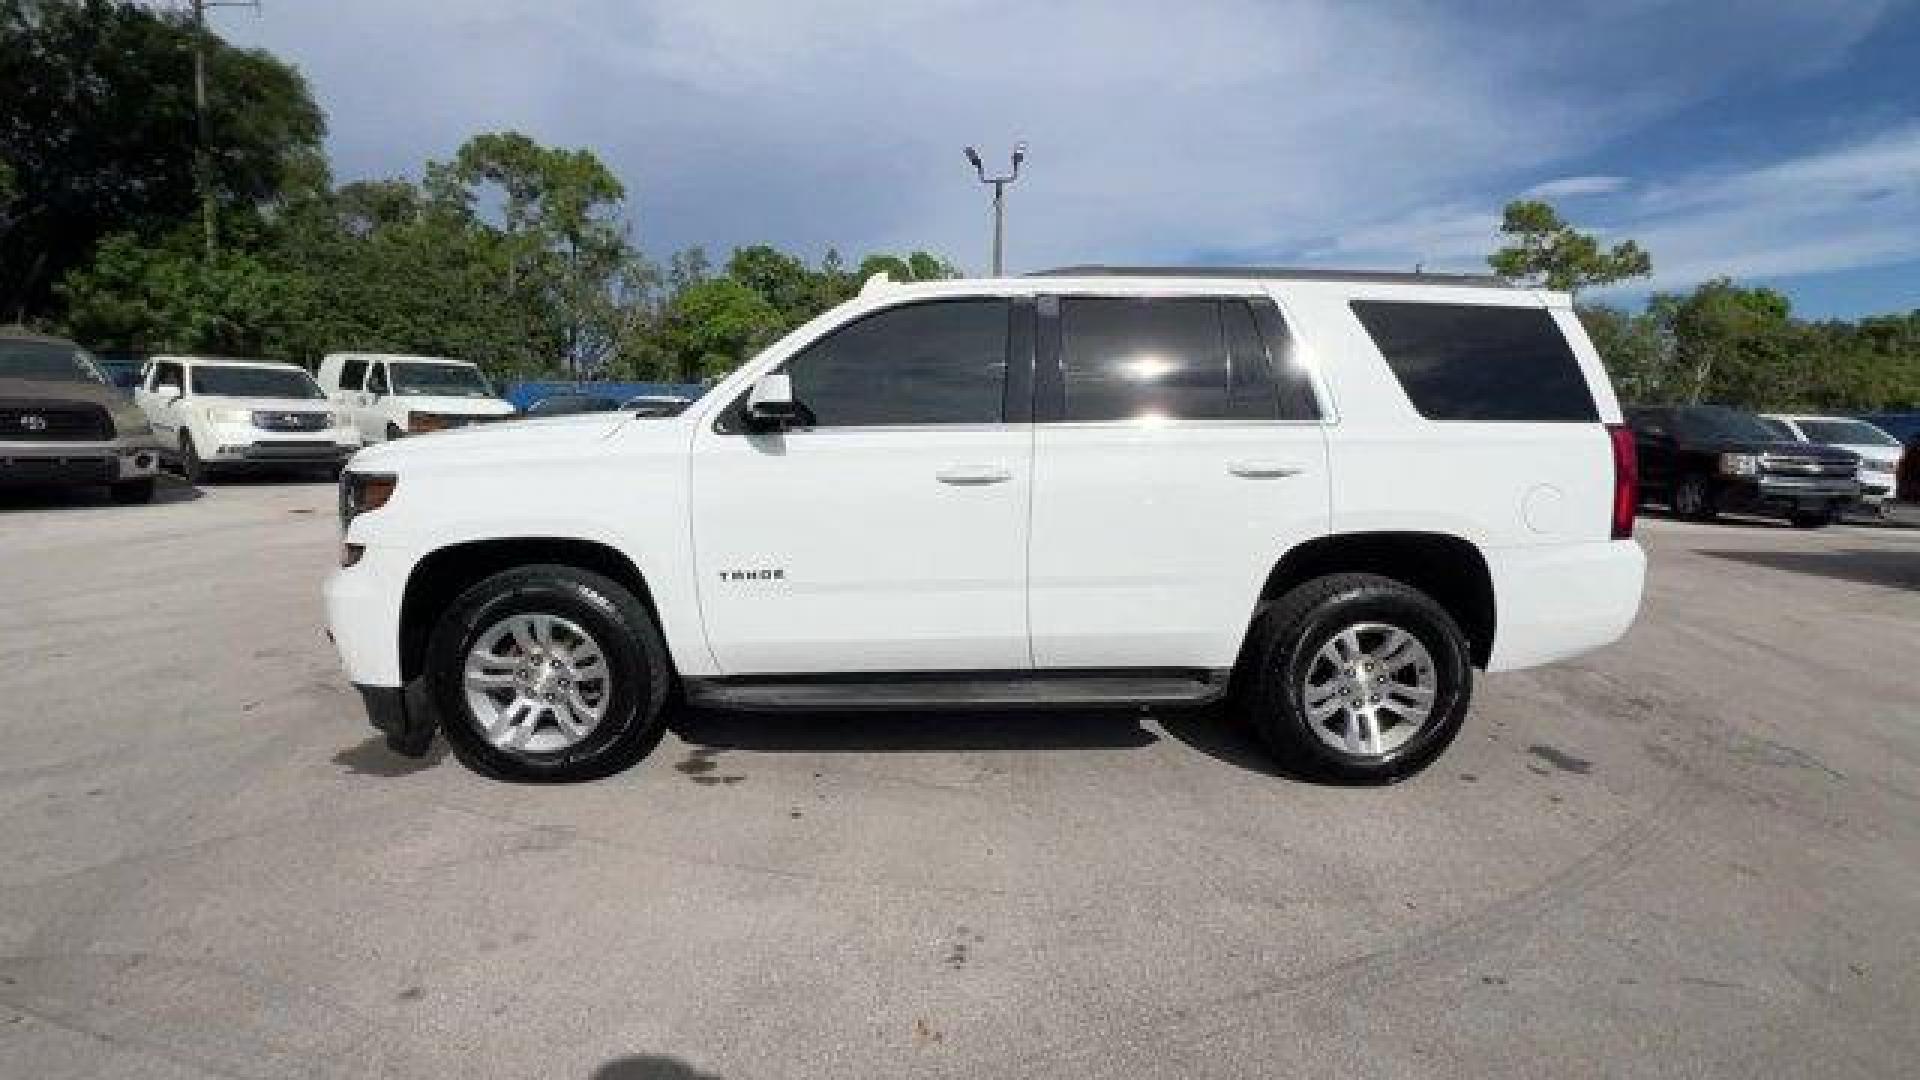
[(1262, 470), (974, 474)]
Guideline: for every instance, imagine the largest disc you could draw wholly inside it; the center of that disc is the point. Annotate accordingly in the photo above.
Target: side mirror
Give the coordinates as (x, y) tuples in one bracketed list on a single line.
[(166, 391), (770, 404)]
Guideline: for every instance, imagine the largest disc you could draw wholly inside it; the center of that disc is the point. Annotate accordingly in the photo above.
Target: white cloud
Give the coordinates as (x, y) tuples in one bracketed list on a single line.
[(1235, 126), (1574, 187)]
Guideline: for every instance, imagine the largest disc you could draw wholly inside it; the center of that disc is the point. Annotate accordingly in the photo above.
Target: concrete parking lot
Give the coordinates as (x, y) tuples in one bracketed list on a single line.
[(1694, 854)]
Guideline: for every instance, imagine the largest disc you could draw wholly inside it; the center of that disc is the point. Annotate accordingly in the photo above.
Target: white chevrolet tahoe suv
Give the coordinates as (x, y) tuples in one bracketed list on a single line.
[(217, 414), (1324, 497), (389, 396)]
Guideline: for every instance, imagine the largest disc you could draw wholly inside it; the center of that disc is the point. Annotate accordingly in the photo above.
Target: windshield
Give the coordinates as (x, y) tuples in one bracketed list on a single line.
[(1845, 432), (1720, 422), (219, 380), (47, 361), (439, 380)]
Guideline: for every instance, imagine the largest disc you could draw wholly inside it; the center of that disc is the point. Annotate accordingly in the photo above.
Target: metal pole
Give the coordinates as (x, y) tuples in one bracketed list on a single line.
[(999, 183), (202, 169), (999, 224)]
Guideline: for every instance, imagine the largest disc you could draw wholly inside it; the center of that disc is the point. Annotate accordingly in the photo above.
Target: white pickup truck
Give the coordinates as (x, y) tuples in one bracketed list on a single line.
[(390, 396), (1325, 497)]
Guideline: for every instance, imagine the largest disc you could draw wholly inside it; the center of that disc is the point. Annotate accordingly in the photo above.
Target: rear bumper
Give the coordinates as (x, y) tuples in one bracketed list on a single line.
[(1558, 601)]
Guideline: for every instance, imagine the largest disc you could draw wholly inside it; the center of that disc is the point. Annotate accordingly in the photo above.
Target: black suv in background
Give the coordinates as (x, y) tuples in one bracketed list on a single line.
[(1703, 459)]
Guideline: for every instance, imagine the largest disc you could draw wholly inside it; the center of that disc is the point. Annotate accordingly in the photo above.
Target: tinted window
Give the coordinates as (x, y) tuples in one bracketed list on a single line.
[(168, 375), (1252, 393), (936, 363), (353, 374), (1471, 362), (377, 382), (1125, 358)]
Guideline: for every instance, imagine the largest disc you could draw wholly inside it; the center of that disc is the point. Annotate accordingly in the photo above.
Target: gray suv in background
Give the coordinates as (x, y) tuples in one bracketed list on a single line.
[(62, 422)]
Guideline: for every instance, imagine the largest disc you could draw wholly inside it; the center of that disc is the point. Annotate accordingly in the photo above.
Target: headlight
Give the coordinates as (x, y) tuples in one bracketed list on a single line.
[(230, 416), (418, 422), (1740, 464), (363, 493)]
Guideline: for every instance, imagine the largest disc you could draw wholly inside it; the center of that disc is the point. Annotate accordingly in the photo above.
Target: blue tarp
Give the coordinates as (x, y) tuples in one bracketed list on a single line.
[(524, 394)]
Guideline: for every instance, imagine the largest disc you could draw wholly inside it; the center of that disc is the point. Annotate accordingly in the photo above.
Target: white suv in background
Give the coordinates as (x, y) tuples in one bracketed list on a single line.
[(1879, 452), (390, 396), (1326, 497), (216, 414)]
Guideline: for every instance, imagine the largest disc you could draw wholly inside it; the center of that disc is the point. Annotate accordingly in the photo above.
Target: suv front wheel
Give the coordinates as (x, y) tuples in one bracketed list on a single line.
[(549, 673), (1359, 678)]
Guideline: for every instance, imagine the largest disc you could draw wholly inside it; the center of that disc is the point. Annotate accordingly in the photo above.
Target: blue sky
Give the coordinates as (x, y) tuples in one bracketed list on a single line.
[(1775, 142)]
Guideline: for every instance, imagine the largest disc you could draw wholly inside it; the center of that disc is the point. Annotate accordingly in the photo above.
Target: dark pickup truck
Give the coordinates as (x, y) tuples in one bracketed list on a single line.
[(1703, 459)]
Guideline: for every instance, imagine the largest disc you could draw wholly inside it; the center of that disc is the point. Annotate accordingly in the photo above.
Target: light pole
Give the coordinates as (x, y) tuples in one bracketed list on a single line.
[(202, 158), (999, 196)]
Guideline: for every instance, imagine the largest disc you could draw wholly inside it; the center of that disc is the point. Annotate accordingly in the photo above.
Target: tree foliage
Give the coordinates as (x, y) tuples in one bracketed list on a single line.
[(1544, 250), (97, 135)]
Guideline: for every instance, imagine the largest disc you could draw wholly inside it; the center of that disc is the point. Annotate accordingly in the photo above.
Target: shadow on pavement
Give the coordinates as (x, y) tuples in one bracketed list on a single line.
[(911, 732), (88, 496), (373, 758), (649, 1067), (1888, 569)]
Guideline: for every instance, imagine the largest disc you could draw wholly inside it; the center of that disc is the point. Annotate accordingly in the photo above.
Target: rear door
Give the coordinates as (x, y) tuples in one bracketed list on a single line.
[(1177, 455)]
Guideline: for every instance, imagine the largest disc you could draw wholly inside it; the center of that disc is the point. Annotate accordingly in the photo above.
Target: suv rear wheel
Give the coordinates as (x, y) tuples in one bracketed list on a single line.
[(549, 673), (1359, 678)]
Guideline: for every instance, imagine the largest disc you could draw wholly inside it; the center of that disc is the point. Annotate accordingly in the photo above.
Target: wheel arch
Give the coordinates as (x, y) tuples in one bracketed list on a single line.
[(1450, 569), (440, 576)]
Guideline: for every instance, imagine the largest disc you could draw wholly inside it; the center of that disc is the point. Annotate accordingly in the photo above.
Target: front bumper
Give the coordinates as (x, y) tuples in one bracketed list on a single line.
[(72, 463), (1779, 496), (259, 451), (402, 714)]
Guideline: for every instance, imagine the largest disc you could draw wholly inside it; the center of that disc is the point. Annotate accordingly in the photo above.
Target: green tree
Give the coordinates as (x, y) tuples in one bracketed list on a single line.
[(569, 257), (712, 327), (151, 298), (1544, 250), (97, 130)]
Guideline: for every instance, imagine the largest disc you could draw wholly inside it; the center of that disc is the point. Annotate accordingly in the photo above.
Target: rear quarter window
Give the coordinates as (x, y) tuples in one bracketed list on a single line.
[(1477, 362)]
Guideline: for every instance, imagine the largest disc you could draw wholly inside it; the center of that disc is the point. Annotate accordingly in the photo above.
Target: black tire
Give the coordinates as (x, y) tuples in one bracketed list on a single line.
[(1693, 499), (136, 492), (192, 469), (1811, 519), (636, 658), (1290, 637)]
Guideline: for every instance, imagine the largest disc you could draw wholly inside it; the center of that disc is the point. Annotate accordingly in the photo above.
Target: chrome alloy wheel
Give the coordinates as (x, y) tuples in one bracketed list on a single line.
[(536, 683), (1369, 690)]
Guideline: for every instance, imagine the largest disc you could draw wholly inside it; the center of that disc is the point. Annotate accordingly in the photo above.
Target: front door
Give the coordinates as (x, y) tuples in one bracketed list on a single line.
[(888, 531), (1178, 454)]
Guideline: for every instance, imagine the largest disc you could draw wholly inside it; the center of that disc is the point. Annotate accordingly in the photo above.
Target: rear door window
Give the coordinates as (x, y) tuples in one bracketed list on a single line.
[(1133, 358), (1479, 362)]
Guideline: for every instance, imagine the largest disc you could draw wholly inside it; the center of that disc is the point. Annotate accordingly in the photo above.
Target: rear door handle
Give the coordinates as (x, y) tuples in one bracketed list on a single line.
[(1260, 470), (974, 474)]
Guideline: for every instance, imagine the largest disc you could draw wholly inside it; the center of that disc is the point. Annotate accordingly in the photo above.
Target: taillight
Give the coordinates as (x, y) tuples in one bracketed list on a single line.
[(1626, 480)]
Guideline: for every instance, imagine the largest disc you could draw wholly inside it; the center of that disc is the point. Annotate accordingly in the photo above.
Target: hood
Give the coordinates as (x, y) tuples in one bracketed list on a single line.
[(266, 404), (486, 442), (127, 418), (1781, 447), (457, 406)]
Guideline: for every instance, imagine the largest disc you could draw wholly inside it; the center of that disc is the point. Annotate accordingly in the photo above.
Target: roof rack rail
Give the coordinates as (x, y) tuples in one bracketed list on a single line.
[(1284, 273)]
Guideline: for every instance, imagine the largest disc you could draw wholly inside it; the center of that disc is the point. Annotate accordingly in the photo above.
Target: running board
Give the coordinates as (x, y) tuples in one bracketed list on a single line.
[(958, 690)]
